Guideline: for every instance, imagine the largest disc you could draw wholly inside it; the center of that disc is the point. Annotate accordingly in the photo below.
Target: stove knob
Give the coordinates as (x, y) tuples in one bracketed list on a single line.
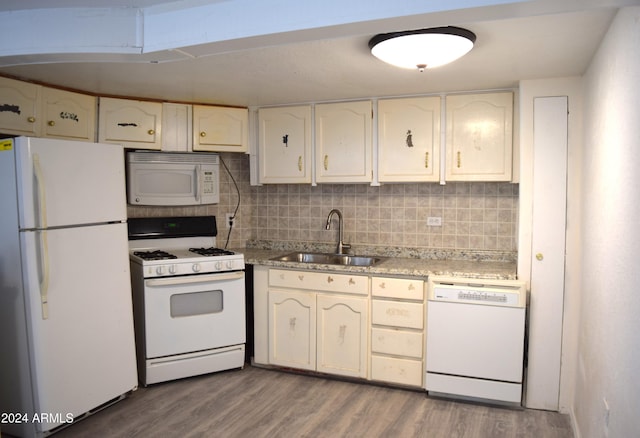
[(196, 267), (229, 264), (218, 265), (160, 270), (172, 269)]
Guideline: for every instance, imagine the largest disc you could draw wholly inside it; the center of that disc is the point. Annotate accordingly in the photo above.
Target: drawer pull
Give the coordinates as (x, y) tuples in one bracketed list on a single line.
[(301, 277), (352, 281), (329, 279), (382, 285), (292, 324), (411, 286)]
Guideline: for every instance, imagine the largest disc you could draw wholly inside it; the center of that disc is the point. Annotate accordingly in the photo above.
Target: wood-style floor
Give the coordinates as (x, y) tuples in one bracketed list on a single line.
[(256, 402)]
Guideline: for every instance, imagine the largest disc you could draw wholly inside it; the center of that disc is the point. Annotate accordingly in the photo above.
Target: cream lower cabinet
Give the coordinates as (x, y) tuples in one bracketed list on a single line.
[(318, 321), (397, 330), (292, 329)]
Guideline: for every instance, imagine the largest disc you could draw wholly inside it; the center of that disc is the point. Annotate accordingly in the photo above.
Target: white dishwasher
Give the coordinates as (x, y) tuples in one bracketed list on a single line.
[(475, 338)]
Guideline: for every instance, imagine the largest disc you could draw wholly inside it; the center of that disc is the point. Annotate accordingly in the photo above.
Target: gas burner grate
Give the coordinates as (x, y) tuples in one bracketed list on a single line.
[(154, 255), (211, 252)]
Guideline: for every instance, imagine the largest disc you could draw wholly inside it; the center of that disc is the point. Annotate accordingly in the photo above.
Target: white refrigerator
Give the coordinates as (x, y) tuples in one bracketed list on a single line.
[(66, 320)]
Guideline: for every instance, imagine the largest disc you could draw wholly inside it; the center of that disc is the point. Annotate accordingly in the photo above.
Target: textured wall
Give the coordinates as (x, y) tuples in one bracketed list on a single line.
[(609, 345)]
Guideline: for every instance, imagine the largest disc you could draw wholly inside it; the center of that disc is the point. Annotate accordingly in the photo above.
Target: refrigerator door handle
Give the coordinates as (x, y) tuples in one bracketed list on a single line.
[(44, 247)]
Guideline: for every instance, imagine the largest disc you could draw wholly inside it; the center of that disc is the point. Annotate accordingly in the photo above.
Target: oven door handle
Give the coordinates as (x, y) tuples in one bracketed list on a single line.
[(172, 281)]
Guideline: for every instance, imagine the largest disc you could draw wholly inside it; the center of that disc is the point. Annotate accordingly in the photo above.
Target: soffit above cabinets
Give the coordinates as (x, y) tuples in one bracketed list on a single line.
[(239, 52)]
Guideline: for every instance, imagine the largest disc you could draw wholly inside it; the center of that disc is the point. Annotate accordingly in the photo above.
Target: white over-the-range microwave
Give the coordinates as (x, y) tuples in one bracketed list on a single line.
[(171, 179)]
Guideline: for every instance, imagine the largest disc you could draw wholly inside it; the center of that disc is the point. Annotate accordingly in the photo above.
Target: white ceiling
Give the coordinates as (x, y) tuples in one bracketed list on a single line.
[(330, 62)]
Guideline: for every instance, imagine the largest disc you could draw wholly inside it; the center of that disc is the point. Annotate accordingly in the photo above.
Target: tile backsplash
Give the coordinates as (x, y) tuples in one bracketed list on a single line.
[(476, 216)]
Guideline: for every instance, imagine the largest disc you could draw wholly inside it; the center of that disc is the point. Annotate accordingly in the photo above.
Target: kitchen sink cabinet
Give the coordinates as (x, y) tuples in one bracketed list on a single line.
[(318, 321), (220, 129), (133, 123), (284, 144), (292, 329), (68, 115), (343, 142), (479, 137), (409, 139), (397, 330), (342, 335)]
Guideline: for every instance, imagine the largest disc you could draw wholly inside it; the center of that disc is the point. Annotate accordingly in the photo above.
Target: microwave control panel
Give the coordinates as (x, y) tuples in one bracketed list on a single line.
[(209, 182)]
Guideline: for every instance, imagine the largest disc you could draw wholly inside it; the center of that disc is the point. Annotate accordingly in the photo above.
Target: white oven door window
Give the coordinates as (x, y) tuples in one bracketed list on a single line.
[(193, 313)]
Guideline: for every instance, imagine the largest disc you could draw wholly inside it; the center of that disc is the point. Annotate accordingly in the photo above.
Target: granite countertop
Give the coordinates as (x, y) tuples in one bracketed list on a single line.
[(400, 265)]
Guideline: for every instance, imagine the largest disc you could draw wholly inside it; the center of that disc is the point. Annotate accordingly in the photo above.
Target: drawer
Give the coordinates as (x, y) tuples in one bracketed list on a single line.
[(397, 314), (410, 289), (319, 281), (397, 342), (396, 370)]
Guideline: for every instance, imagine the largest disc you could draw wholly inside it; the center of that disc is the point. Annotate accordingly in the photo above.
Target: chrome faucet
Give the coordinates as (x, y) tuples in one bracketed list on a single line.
[(343, 248)]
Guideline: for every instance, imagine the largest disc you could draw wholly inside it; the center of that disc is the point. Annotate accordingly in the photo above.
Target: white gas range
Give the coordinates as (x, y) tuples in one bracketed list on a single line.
[(189, 298)]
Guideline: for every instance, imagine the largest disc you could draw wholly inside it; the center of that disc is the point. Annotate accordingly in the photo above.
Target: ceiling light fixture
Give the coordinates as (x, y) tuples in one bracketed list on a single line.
[(423, 48)]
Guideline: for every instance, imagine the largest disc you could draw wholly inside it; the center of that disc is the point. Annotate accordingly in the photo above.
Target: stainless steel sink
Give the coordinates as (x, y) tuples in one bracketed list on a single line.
[(328, 259)]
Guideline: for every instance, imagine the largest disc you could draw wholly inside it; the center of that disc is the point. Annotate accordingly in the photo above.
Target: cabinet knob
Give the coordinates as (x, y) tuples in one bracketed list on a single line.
[(329, 279), (539, 256), (51, 123), (203, 134), (31, 119), (151, 132), (301, 277), (382, 285)]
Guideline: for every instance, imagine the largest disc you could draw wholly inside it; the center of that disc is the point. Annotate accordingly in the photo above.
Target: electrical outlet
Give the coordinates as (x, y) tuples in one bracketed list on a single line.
[(229, 220), (433, 221)]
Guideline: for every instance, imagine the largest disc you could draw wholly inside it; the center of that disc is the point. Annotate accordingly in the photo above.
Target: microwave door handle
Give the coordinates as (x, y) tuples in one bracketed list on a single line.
[(197, 177)]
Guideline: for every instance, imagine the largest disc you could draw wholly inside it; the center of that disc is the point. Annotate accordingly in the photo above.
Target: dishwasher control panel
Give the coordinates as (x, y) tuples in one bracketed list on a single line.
[(496, 292)]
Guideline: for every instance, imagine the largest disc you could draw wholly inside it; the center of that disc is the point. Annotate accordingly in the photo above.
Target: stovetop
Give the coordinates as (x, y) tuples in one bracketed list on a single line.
[(173, 246)]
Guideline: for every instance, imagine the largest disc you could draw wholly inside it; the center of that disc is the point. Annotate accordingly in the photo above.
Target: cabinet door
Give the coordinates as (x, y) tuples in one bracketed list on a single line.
[(479, 137), (292, 329), (343, 142), (68, 115), (177, 127), (220, 129), (132, 123), (284, 144), (342, 335), (409, 139), (19, 107)]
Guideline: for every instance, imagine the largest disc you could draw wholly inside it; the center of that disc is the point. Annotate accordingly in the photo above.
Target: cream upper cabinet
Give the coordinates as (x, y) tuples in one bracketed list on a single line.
[(68, 115), (177, 127), (132, 123), (19, 107), (409, 139), (220, 129), (343, 142), (284, 144), (479, 137)]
